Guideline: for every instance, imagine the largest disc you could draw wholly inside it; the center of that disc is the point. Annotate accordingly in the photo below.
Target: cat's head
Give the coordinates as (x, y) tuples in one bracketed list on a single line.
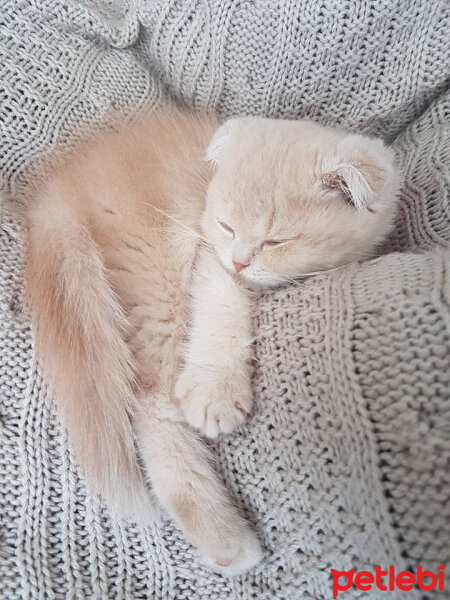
[(289, 198)]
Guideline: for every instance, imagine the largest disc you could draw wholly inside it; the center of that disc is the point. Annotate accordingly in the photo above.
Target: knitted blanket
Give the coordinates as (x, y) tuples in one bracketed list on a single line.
[(345, 462)]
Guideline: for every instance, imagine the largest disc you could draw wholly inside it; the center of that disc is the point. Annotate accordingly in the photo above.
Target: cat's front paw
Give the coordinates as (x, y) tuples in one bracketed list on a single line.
[(214, 402)]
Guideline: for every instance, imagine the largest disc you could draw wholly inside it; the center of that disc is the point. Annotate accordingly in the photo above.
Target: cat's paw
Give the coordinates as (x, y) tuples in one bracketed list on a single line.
[(236, 555), (214, 402)]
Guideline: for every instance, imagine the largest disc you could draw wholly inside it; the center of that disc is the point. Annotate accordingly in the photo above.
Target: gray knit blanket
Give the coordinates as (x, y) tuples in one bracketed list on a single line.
[(345, 462)]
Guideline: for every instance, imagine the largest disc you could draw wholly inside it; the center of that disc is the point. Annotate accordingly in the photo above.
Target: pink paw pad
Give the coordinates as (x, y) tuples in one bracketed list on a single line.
[(223, 563)]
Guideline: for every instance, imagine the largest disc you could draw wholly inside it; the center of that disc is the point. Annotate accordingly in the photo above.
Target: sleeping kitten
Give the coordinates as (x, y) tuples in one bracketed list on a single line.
[(138, 247)]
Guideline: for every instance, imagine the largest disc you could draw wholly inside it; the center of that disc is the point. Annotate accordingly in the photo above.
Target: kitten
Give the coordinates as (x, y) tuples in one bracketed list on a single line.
[(138, 247)]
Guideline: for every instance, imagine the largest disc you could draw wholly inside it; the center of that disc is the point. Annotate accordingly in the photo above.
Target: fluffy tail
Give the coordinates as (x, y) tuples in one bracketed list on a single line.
[(79, 329)]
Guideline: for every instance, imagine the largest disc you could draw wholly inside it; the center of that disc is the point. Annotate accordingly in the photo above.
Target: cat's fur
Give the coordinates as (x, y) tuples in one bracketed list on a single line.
[(134, 243)]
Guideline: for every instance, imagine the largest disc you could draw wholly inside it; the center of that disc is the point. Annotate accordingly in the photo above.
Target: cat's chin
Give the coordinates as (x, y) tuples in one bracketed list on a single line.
[(258, 285)]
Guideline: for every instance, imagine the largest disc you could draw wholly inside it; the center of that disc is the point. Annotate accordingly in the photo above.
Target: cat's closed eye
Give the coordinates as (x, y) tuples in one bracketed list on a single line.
[(226, 227), (271, 243)]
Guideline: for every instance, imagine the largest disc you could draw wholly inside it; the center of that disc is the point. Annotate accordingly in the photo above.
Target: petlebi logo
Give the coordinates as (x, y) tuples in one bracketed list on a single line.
[(388, 580)]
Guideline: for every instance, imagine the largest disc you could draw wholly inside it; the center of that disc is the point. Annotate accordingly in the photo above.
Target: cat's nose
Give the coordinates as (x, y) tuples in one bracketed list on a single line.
[(239, 266)]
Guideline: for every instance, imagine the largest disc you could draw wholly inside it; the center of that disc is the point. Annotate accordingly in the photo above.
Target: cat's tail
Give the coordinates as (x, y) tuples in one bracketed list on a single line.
[(79, 329)]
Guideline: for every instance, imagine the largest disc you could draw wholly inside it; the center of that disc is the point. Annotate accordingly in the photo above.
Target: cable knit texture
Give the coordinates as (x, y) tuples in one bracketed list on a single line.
[(345, 462)]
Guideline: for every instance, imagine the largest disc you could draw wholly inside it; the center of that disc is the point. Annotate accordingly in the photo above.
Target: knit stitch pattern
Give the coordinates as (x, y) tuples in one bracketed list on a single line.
[(345, 462)]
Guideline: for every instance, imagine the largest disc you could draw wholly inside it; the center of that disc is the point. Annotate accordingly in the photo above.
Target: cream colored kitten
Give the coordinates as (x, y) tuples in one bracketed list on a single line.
[(138, 247)]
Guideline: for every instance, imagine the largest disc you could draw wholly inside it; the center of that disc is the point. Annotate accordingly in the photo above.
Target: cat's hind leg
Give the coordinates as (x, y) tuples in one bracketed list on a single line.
[(180, 470)]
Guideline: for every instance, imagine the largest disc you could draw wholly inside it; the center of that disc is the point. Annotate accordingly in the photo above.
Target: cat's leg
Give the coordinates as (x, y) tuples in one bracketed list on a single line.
[(213, 388), (180, 470)]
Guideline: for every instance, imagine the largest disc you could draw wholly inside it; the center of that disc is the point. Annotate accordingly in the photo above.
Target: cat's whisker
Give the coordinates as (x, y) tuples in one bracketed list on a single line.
[(323, 271), (298, 280), (191, 231), (208, 248), (294, 282), (330, 270)]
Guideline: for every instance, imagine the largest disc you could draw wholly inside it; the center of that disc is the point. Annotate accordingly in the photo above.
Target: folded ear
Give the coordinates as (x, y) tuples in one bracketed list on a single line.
[(359, 169), (218, 142)]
